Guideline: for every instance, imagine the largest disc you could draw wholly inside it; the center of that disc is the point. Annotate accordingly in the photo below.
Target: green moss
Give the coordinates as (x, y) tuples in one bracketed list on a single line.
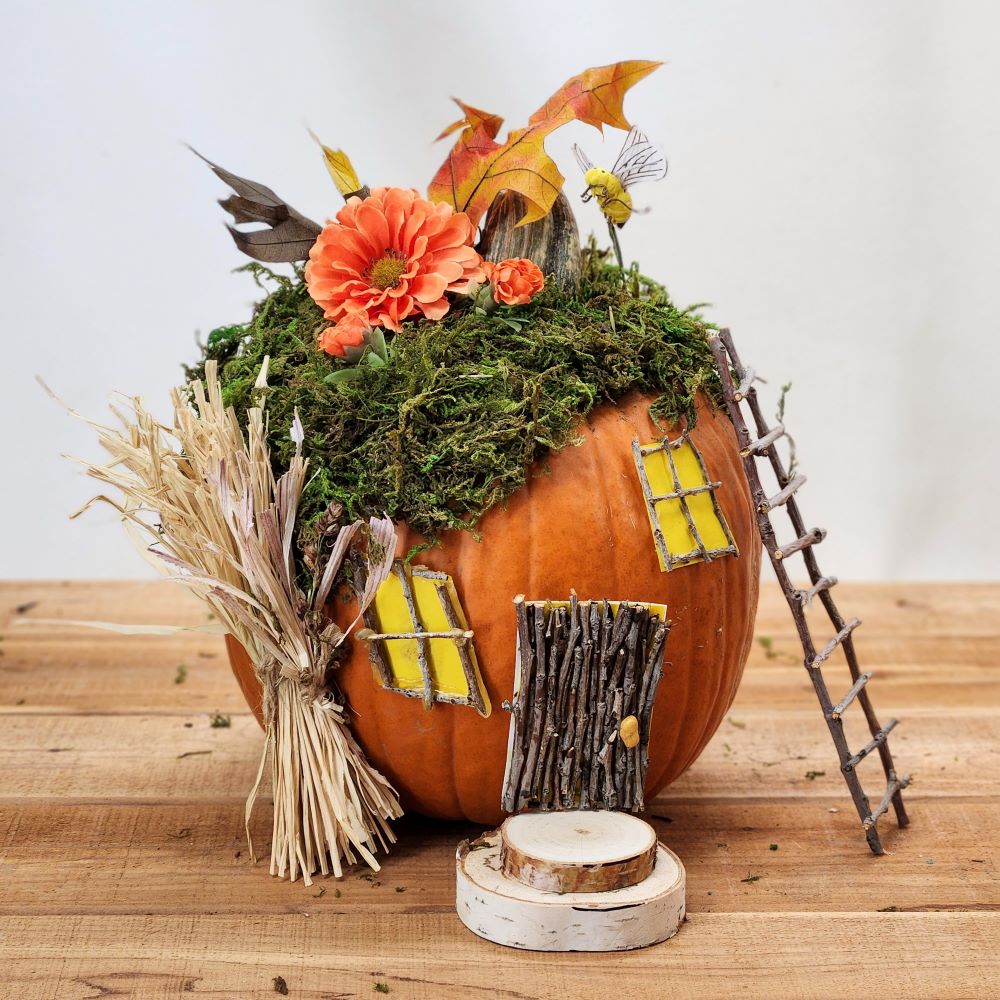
[(450, 426)]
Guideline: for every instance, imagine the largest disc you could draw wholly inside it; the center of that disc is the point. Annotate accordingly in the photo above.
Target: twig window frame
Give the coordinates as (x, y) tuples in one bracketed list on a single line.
[(378, 653), (701, 552)]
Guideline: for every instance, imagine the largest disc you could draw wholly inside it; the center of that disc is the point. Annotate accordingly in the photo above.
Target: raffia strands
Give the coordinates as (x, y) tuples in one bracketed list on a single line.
[(201, 500)]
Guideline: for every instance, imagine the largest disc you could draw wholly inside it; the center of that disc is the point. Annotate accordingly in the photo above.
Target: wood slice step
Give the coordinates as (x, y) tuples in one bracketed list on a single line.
[(510, 913), (577, 850)]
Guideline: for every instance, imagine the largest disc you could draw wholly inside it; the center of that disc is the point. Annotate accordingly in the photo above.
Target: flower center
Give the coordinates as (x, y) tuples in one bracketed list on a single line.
[(388, 270)]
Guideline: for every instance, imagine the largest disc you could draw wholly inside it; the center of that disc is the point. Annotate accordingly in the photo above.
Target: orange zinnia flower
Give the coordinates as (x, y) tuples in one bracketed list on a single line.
[(390, 256), (516, 281)]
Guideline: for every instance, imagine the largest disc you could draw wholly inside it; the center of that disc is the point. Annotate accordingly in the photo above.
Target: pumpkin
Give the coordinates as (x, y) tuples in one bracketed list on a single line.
[(581, 524)]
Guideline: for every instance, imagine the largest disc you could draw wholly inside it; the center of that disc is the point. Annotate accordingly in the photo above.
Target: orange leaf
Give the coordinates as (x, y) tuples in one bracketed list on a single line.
[(478, 168), (472, 120)]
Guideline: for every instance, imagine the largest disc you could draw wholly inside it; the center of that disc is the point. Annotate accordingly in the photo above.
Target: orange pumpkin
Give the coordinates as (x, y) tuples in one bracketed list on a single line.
[(581, 525)]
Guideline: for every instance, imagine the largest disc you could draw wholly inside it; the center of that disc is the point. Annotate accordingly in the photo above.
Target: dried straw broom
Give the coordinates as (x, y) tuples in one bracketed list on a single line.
[(221, 524)]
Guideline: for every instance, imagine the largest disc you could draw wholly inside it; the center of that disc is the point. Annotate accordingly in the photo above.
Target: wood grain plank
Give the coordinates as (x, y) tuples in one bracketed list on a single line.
[(946, 610), (177, 858), (942, 610), (130, 677), (126, 676), (112, 757), (822, 956), (67, 670), (755, 754)]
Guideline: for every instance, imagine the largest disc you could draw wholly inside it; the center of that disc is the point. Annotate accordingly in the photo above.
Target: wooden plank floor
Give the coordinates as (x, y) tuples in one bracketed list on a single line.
[(124, 872)]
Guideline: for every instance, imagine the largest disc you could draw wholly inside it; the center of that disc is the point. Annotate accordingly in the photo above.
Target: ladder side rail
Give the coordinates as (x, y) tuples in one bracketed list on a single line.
[(759, 495), (720, 347), (791, 506), (833, 721), (757, 491), (809, 556), (783, 478), (829, 605), (812, 563), (798, 524)]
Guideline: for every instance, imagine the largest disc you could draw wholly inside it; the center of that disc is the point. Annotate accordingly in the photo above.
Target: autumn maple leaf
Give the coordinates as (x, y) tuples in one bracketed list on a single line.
[(472, 118), (478, 167)]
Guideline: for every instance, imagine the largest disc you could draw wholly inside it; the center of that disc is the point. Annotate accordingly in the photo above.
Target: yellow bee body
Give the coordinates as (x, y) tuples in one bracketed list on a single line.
[(615, 201), (640, 160)]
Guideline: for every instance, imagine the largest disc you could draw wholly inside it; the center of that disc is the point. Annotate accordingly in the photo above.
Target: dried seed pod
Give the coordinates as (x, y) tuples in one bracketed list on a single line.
[(553, 242)]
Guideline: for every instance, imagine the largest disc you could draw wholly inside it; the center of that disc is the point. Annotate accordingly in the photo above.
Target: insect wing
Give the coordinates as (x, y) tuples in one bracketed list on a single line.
[(582, 158), (640, 160)]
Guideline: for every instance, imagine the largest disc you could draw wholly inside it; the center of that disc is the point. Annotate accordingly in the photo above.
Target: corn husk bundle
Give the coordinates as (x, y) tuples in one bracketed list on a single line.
[(204, 494)]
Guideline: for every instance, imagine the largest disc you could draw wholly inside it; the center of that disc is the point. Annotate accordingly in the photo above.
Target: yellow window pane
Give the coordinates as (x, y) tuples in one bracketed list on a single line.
[(669, 514), (447, 675)]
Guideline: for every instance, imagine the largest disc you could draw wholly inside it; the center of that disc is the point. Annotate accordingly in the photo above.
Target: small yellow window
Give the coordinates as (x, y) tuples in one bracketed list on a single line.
[(687, 524), (420, 642)]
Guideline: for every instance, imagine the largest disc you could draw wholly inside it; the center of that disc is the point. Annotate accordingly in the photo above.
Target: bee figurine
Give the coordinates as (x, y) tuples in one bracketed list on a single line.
[(640, 160)]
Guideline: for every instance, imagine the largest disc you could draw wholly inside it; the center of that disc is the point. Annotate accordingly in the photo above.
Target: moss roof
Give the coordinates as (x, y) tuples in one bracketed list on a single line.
[(451, 424)]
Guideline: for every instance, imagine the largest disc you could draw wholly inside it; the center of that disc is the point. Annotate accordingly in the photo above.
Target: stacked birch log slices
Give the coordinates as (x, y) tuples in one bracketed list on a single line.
[(570, 881)]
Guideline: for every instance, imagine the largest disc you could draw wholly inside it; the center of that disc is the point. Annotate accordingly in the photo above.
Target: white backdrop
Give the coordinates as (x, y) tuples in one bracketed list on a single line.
[(832, 194)]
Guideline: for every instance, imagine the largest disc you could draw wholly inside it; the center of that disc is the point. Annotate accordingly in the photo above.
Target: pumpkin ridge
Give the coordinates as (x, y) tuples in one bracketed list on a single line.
[(719, 702), (458, 730), (529, 559), (724, 698), (598, 474)]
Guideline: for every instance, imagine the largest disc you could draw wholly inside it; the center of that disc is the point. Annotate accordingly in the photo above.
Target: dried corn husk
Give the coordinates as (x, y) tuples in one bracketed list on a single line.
[(200, 499)]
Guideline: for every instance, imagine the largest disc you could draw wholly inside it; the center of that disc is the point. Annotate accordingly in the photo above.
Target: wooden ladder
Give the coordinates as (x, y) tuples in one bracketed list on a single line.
[(737, 389)]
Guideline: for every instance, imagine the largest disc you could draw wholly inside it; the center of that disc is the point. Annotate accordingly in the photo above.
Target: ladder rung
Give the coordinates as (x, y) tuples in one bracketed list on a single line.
[(761, 445), (779, 499), (809, 538), (876, 741), (827, 651), (894, 786), (804, 597), (741, 390), (838, 710)]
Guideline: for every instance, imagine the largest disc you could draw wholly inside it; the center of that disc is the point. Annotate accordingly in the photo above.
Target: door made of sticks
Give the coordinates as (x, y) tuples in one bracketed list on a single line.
[(587, 676)]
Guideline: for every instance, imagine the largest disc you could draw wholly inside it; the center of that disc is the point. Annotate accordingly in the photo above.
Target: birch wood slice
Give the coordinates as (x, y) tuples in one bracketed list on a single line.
[(577, 850), (508, 912)]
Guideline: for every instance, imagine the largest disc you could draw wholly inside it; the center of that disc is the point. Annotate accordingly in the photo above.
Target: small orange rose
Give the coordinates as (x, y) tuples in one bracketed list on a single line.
[(515, 281), (349, 332)]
